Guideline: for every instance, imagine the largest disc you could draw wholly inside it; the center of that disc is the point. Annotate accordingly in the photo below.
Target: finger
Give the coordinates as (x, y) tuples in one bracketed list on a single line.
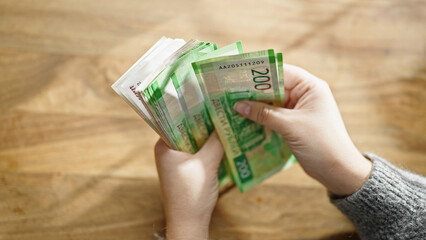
[(293, 75), (163, 153), (270, 116), (297, 83), (160, 148), (212, 151)]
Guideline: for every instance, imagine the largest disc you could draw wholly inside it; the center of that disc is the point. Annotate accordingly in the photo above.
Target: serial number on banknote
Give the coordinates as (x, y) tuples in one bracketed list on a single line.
[(243, 64)]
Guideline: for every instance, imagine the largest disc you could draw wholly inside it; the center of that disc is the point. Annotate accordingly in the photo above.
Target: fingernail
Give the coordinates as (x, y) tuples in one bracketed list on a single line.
[(242, 108)]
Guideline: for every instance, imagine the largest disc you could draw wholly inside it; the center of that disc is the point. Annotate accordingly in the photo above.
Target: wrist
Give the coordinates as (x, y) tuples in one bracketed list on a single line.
[(181, 230), (348, 174)]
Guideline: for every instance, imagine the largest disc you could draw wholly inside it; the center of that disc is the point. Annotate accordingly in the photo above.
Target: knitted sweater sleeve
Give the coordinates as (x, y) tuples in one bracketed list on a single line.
[(390, 205)]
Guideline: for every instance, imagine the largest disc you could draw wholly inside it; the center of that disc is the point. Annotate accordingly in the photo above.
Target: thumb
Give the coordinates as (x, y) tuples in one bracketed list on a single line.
[(270, 116), (212, 151)]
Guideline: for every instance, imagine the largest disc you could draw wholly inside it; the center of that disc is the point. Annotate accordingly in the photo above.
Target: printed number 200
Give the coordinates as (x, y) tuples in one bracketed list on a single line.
[(261, 79), (243, 169)]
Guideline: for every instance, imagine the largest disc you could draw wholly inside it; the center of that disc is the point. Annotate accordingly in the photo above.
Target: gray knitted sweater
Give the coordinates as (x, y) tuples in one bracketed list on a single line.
[(390, 205)]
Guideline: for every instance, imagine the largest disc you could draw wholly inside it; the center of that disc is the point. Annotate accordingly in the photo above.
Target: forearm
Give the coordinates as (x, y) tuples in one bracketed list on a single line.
[(345, 175)]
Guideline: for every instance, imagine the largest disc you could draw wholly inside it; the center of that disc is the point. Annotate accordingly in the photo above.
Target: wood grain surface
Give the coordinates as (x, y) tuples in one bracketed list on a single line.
[(77, 163)]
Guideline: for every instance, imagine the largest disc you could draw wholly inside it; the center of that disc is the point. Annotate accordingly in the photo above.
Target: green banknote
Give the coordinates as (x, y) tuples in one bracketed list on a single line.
[(192, 100), (146, 80), (163, 98), (253, 152)]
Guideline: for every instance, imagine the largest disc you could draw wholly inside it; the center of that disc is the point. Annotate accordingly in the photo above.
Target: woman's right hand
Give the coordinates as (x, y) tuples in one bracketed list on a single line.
[(312, 126)]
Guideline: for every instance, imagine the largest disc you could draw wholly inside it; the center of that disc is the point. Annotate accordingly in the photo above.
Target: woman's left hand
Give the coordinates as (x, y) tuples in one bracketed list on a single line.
[(189, 186)]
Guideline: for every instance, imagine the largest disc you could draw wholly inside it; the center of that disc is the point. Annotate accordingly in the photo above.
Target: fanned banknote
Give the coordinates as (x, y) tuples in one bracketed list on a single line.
[(127, 84), (163, 99)]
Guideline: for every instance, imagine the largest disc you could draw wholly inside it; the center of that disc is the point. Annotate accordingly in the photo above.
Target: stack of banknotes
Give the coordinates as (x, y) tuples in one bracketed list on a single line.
[(186, 90)]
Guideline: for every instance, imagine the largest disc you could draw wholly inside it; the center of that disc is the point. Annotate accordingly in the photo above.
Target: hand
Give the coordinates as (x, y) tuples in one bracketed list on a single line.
[(312, 126), (189, 186)]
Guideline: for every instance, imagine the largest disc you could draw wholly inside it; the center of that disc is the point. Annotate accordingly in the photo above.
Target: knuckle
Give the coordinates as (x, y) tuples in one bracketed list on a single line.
[(263, 114), (322, 83)]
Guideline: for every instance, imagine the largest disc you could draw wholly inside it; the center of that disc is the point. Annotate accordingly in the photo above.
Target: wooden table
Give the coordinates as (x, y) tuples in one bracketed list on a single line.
[(77, 163)]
